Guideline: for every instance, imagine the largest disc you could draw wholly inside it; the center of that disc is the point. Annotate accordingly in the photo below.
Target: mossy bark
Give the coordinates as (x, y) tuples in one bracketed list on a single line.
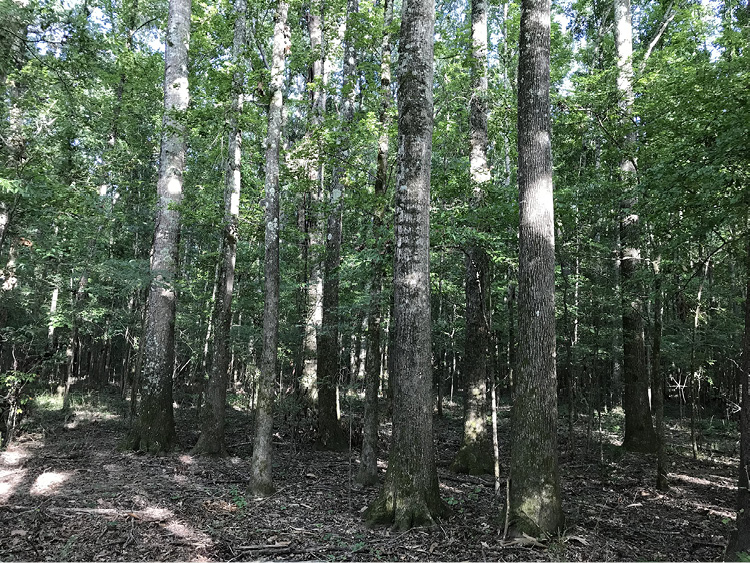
[(410, 495)]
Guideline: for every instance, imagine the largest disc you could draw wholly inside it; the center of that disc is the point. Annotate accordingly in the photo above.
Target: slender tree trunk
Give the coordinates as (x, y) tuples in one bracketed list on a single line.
[(330, 432), (261, 479), (657, 385), (739, 542), (368, 467), (639, 430), (692, 375), (410, 494), (475, 455), (155, 430), (211, 440), (535, 501), (314, 312)]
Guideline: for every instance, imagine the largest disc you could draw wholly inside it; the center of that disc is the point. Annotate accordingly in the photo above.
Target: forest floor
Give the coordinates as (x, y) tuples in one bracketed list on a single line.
[(68, 493)]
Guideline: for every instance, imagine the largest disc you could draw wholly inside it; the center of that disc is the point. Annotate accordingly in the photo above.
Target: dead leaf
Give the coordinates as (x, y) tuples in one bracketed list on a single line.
[(19, 533)]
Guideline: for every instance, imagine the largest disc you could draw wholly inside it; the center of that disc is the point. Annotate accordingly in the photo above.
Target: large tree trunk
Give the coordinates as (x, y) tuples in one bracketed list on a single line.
[(639, 430), (535, 503), (475, 455), (261, 481), (330, 433), (410, 495), (155, 430), (211, 440), (368, 466)]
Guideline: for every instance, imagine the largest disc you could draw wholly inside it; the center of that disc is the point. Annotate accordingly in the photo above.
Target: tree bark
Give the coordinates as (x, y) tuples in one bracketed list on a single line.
[(739, 542), (330, 432), (155, 429), (657, 385), (314, 295), (410, 494), (535, 502), (211, 440), (475, 455), (639, 430), (261, 480), (368, 466)]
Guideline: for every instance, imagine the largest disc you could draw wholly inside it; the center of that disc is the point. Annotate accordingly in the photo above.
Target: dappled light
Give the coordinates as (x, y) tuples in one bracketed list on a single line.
[(49, 483)]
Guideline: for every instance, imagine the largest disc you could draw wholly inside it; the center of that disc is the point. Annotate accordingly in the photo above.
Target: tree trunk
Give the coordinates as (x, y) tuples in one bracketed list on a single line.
[(535, 502), (410, 494), (314, 298), (475, 454), (155, 429), (368, 466), (211, 440), (657, 385), (639, 430), (261, 479), (739, 543), (330, 432)]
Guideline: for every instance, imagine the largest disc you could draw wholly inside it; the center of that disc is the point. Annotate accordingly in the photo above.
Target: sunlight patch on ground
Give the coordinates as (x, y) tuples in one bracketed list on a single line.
[(720, 483), (186, 532), (15, 457), (48, 483), (186, 459), (181, 479), (9, 482)]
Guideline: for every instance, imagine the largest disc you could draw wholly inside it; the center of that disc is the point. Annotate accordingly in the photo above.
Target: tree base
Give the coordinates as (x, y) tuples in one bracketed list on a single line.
[(366, 478), (406, 512), (332, 440), (209, 448), (153, 444), (261, 490), (641, 445), (474, 459)]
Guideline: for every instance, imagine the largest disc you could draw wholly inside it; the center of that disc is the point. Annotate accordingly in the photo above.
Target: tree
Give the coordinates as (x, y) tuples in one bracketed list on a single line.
[(211, 440), (261, 479), (367, 474), (330, 434), (639, 430), (475, 455), (155, 429), (410, 495), (535, 501)]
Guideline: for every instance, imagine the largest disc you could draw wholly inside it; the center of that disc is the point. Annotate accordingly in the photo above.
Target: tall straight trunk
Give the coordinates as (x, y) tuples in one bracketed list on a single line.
[(657, 384), (368, 466), (314, 286), (739, 542), (155, 430), (330, 432), (261, 478), (475, 454), (211, 440), (410, 494), (693, 380), (639, 430), (535, 502)]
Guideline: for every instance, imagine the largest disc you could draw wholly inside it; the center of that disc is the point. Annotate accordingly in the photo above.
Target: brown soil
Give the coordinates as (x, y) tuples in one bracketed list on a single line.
[(68, 493)]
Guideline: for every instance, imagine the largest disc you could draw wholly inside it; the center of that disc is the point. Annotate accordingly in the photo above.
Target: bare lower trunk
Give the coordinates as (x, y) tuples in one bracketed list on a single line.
[(475, 455), (368, 467), (410, 494), (261, 479), (155, 429), (657, 385), (534, 499), (639, 430), (211, 440)]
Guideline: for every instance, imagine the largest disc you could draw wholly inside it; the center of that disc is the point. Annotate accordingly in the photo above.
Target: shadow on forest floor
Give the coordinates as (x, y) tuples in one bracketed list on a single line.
[(68, 493)]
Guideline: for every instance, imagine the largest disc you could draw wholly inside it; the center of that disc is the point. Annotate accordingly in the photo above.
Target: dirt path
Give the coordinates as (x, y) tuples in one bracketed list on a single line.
[(67, 493)]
